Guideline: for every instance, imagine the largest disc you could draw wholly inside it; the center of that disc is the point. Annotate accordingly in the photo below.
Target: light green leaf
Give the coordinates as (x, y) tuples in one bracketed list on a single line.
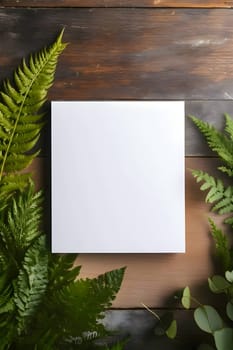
[(224, 339), (172, 330), (208, 319), (229, 310), (229, 276), (186, 298)]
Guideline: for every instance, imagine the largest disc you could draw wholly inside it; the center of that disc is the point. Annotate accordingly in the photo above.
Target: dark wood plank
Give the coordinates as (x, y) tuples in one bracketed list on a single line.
[(139, 325), (119, 3), (128, 53)]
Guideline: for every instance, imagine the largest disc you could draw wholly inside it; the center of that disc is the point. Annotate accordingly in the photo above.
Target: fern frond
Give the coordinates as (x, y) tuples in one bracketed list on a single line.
[(21, 224), (31, 283), (229, 125), (215, 187), (217, 193), (217, 141), (20, 122), (62, 270), (78, 307), (222, 246)]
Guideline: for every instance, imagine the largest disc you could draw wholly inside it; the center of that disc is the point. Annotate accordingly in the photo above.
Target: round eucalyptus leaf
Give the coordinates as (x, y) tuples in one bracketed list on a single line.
[(229, 276), (208, 319), (186, 298), (218, 284), (229, 310), (224, 339), (172, 330)]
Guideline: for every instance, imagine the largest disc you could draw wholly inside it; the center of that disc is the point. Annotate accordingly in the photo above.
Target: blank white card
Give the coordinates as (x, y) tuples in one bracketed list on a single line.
[(118, 177)]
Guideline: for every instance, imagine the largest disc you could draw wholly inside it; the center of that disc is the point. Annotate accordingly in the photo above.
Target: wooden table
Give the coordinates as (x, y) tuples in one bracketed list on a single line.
[(150, 50)]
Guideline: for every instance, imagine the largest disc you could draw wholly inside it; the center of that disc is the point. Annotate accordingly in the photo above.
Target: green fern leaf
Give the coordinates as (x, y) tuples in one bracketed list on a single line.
[(229, 125), (6, 300), (31, 283), (20, 122), (225, 202), (216, 188), (222, 246), (62, 270), (7, 331), (217, 193), (227, 209), (21, 225), (78, 307), (217, 141), (226, 170)]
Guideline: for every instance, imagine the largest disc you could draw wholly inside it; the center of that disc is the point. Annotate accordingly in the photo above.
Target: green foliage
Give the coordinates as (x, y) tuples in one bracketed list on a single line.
[(78, 306), (217, 193), (222, 246), (220, 195), (42, 302), (222, 144), (30, 284), (208, 318), (20, 120), (43, 306), (219, 142), (186, 298)]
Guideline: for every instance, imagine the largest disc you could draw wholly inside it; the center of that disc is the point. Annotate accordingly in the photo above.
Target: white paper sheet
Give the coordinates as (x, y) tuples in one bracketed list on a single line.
[(118, 177)]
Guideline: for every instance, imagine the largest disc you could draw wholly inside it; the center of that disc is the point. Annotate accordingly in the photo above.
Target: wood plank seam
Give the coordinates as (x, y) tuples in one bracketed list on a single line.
[(182, 4)]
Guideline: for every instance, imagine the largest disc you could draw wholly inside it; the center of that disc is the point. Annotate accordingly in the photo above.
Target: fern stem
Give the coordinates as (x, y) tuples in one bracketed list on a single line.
[(152, 312)]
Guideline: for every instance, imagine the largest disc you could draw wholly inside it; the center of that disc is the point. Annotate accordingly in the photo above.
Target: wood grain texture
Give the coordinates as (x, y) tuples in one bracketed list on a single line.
[(128, 53), (119, 3), (209, 111)]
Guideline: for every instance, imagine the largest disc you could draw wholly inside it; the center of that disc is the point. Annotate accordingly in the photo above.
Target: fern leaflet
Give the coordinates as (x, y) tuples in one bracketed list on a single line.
[(62, 270), (31, 283), (222, 246), (217, 193), (77, 307)]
